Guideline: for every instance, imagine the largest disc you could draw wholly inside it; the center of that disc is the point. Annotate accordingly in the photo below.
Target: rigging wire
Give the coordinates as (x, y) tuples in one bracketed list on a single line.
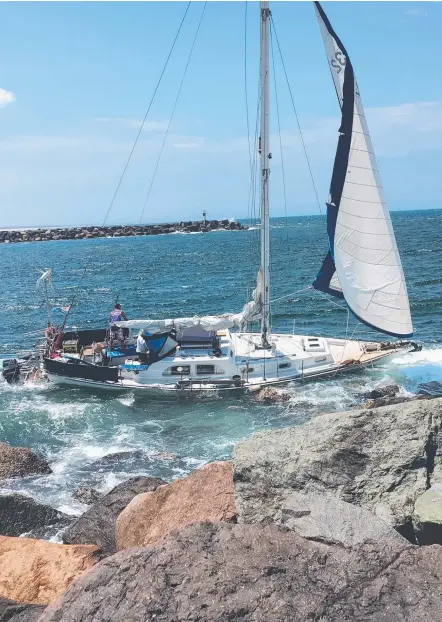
[(305, 289), (173, 112), (126, 165), (251, 203), (280, 141), (245, 89), (297, 118)]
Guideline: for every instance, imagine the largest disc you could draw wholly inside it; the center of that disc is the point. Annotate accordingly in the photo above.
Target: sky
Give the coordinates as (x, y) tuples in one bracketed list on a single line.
[(76, 80)]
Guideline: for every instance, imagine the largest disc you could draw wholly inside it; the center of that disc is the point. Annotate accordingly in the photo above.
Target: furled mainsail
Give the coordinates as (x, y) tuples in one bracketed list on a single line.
[(363, 265)]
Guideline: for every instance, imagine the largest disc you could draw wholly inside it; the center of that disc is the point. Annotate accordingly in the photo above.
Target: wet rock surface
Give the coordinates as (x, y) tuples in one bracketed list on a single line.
[(97, 524), (12, 611), (22, 515), (381, 459), (85, 233), (86, 495), (21, 462), (430, 389), (205, 495), (38, 572), (222, 572), (388, 390)]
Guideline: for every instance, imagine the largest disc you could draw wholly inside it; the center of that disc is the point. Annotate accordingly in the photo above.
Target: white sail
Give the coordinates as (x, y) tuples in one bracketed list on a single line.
[(362, 241)]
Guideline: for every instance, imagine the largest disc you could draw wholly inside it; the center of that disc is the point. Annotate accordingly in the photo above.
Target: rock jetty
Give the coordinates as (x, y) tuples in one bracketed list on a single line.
[(116, 231)]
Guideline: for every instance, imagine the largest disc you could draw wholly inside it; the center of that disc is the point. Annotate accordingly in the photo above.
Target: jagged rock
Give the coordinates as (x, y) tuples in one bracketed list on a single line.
[(35, 571), (20, 462), (430, 389), (251, 573), (269, 394), (205, 495), (22, 515), (427, 517), (12, 611), (389, 400), (86, 495), (387, 390), (381, 459), (97, 525), (327, 519), (118, 456)]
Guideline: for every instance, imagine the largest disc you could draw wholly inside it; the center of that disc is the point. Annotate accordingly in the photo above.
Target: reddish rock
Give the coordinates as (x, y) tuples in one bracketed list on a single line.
[(37, 571), (206, 495)]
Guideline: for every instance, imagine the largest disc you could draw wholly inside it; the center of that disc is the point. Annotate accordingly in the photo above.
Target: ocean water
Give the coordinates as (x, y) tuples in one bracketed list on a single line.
[(176, 275)]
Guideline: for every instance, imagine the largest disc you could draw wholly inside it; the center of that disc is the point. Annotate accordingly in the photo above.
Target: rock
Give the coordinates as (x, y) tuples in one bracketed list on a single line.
[(269, 394), (388, 400), (97, 525), (430, 389), (253, 573), (325, 518), (120, 456), (11, 611), (205, 495), (22, 515), (86, 495), (387, 390), (427, 517), (35, 571), (381, 459), (20, 462)]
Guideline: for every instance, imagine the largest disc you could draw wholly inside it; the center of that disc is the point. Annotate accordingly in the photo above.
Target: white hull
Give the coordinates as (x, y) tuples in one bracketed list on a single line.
[(243, 365)]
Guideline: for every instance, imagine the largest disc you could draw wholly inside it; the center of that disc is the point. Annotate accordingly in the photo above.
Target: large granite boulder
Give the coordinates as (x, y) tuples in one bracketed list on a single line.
[(205, 495), (11, 611), (381, 459), (22, 515), (36, 571), (97, 524), (250, 573), (20, 462)]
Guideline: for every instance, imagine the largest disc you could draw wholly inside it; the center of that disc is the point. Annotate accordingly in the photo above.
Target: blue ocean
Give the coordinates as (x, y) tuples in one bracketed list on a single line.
[(184, 275)]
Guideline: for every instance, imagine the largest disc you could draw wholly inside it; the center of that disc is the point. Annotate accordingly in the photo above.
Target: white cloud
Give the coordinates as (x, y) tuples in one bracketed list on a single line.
[(149, 126), (6, 98), (415, 12), (190, 144)]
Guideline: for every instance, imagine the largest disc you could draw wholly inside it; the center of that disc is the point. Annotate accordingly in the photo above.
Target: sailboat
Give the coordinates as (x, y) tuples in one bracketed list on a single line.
[(216, 353)]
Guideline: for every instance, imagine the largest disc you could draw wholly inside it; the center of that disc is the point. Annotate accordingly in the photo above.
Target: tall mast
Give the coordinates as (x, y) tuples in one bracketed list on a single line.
[(265, 169)]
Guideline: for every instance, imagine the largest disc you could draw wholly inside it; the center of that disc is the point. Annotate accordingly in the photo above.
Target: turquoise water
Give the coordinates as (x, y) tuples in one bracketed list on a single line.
[(175, 275)]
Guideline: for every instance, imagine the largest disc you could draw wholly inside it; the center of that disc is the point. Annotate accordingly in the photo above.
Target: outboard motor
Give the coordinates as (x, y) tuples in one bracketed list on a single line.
[(11, 370)]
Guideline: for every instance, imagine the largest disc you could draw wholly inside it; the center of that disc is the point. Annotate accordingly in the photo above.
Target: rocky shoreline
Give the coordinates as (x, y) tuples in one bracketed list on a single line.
[(116, 231), (335, 520)]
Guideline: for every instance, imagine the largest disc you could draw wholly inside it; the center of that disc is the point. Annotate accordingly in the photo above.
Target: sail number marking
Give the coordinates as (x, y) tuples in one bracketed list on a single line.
[(338, 61)]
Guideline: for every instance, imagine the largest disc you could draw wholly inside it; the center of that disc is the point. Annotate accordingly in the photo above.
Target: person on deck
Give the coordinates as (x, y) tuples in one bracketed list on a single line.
[(117, 315), (142, 348)]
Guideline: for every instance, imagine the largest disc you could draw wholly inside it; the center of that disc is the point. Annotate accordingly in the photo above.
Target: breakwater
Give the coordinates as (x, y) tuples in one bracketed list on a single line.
[(115, 231)]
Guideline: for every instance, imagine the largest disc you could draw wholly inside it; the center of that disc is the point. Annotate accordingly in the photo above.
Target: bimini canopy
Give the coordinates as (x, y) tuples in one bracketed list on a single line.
[(207, 322), (363, 264)]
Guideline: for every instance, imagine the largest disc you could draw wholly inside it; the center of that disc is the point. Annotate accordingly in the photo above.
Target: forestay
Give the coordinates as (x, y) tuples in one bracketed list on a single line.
[(363, 264)]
